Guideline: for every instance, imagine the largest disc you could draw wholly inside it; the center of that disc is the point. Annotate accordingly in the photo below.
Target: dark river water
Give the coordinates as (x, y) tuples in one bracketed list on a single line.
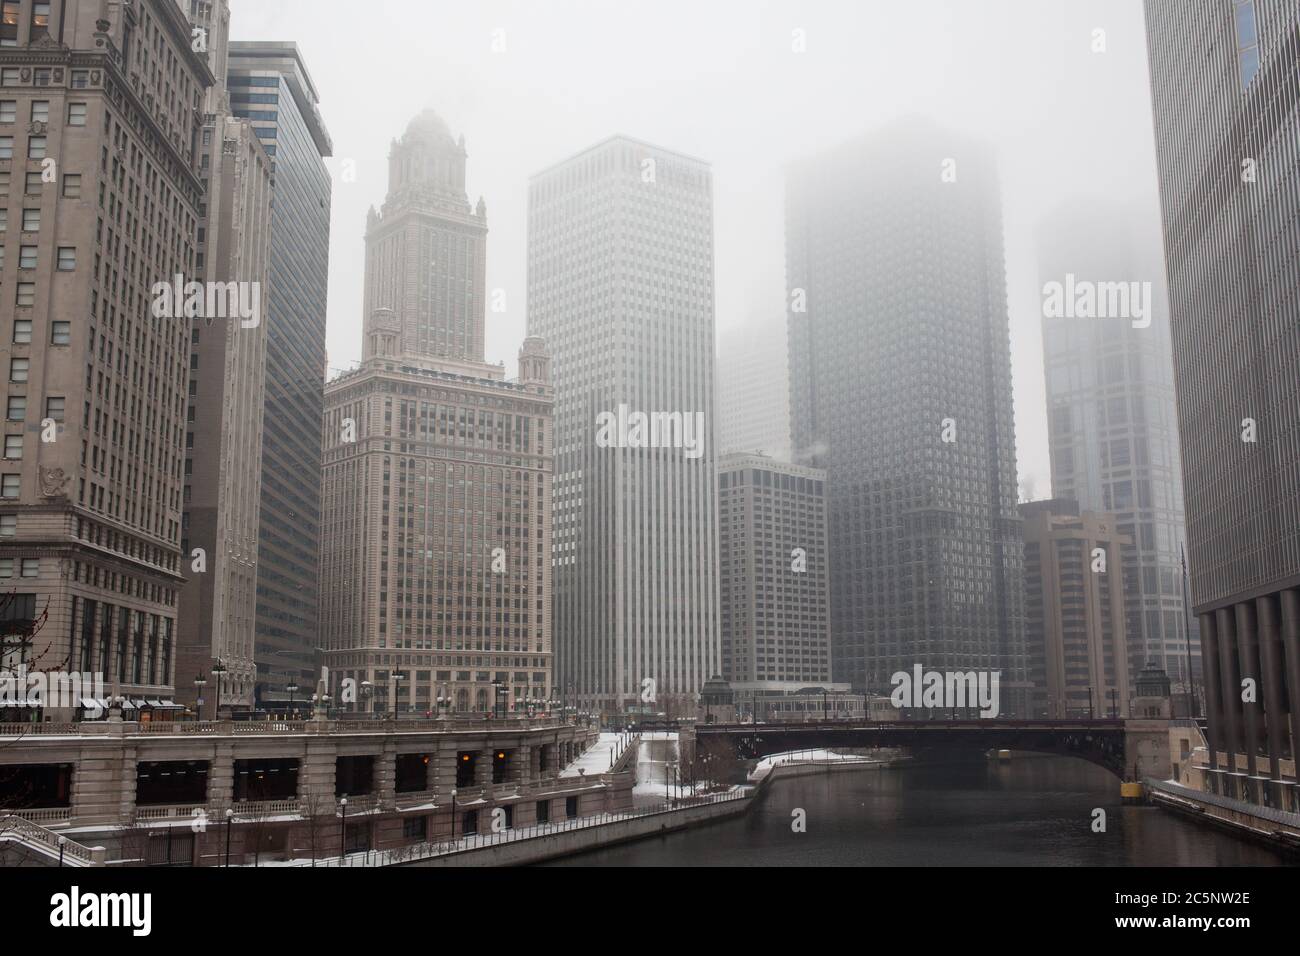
[(1033, 811)]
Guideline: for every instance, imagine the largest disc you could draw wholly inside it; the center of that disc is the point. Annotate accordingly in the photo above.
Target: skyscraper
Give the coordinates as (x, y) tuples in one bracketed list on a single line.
[(224, 415), (900, 388), (1112, 424), (1226, 103), (620, 284), (1074, 610), (271, 88), (774, 593), (90, 502), (753, 393), (436, 530)]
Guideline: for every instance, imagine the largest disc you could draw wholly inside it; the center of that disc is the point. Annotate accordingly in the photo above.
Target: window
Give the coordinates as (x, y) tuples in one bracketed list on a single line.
[(8, 111), (8, 526), (13, 447), (26, 257), (9, 77), (22, 331), (40, 111), (67, 258), (10, 485), (6, 147), (9, 24), (18, 369), (54, 408), (4, 220), (31, 220), (40, 19), (36, 147), (31, 567), (6, 564), (61, 332), (17, 408), (80, 79), (72, 186), (26, 294), (4, 183), (76, 114), (32, 184), (1247, 41)]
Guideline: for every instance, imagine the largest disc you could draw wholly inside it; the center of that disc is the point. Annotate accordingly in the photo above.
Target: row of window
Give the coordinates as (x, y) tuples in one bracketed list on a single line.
[(40, 112)]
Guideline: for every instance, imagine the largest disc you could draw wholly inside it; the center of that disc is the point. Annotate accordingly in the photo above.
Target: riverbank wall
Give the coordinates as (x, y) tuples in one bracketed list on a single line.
[(1266, 825)]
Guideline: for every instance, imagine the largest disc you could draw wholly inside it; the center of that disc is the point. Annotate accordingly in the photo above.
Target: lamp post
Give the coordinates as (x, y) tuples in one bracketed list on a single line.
[(397, 683), (292, 688), (367, 689), (453, 814), (218, 671), (343, 829), (199, 683), (62, 841), (230, 816)]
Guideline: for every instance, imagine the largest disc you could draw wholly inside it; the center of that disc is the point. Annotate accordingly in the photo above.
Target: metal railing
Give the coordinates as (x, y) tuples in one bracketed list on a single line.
[(418, 852), (184, 728)]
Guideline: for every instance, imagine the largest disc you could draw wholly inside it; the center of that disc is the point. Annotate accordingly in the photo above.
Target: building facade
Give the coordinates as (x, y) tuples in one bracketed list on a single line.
[(753, 394), (100, 198), (620, 284), (1075, 619), (271, 88), (436, 527), (224, 414), (1113, 425), (1226, 103), (900, 388), (774, 574)]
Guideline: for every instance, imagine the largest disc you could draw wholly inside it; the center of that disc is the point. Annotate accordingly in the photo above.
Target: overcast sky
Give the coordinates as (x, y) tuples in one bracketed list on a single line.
[(719, 79)]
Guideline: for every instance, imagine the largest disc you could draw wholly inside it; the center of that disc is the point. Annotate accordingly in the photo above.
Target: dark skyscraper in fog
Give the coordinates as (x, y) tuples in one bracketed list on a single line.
[(1226, 100), (900, 387), (270, 87)]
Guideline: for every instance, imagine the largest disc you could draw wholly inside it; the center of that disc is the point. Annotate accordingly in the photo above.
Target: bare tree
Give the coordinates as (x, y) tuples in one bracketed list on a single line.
[(319, 816)]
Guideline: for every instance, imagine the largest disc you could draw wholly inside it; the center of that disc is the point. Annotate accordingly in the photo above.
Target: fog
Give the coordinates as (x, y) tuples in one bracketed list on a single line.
[(722, 80)]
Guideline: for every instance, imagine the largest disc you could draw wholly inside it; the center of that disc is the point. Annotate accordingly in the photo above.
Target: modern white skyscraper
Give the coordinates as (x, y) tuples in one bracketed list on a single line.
[(620, 284), (753, 392)]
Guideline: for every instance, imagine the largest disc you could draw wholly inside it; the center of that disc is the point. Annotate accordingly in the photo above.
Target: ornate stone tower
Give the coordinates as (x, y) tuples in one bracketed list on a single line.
[(426, 250)]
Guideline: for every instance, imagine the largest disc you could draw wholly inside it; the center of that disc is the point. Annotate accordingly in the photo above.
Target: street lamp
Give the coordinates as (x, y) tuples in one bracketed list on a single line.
[(62, 840), (397, 683), (343, 830), (218, 671), (292, 688), (230, 816), (453, 814), (199, 683), (367, 689)]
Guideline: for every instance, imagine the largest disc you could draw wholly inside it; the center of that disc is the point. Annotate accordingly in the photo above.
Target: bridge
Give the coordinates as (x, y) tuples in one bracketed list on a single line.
[(1130, 749)]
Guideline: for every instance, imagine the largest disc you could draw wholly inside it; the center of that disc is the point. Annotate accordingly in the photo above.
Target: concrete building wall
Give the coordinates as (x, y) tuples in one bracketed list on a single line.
[(98, 508)]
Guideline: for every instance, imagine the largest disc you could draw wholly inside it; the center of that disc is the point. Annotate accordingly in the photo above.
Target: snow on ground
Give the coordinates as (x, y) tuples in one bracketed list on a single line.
[(595, 759), (809, 756)]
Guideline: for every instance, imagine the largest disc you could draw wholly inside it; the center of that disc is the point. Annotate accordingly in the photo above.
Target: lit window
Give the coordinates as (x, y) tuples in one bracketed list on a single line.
[(9, 24), (40, 19)]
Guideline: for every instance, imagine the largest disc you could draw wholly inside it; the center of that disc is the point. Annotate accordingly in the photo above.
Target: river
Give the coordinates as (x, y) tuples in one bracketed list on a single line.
[(1032, 811)]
